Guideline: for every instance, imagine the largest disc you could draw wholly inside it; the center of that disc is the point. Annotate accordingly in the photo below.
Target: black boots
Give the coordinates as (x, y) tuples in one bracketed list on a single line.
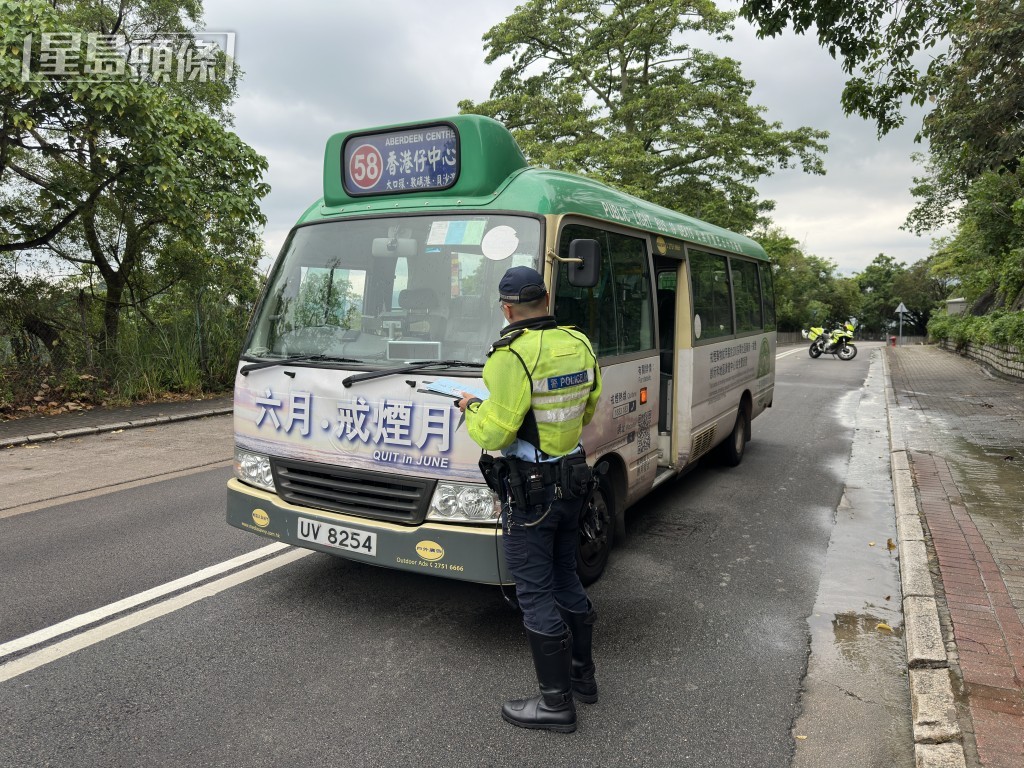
[(565, 669), (553, 709), (584, 686)]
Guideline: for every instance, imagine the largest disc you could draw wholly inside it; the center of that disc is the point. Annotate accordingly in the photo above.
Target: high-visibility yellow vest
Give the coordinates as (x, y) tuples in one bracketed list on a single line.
[(541, 367)]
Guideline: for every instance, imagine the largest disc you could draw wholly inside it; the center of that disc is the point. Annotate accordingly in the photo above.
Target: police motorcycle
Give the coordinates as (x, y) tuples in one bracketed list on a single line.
[(838, 342)]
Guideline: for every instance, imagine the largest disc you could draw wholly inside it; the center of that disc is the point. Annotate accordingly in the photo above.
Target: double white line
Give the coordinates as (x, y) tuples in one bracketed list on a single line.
[(788, 352), (104, 631)]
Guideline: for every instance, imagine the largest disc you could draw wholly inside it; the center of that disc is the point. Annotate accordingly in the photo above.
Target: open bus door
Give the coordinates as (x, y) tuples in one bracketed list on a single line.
[(667, 281)]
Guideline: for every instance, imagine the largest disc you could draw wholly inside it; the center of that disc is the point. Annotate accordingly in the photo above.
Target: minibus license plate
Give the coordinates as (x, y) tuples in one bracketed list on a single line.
[(363, 542)]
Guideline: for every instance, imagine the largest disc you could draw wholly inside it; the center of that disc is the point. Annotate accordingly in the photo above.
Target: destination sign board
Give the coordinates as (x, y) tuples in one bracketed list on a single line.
[(400, 161)]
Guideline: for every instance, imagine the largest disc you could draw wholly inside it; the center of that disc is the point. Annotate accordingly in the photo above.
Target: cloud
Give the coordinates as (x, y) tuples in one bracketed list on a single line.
[(315, 67), (855, 211)]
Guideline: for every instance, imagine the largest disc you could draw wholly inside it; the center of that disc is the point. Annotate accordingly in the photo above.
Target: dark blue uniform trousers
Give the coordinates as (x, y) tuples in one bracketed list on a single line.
[(540, 552)]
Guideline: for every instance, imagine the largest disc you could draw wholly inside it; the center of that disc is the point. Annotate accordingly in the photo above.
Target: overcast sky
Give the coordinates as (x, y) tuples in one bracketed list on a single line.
[(317, 67)]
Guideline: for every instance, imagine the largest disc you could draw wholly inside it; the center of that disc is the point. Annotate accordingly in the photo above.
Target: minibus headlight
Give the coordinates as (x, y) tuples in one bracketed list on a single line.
[(457, 502), (254, 468)]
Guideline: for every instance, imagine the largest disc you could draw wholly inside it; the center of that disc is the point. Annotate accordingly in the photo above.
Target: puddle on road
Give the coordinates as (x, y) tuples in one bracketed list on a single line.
[(863, 639)]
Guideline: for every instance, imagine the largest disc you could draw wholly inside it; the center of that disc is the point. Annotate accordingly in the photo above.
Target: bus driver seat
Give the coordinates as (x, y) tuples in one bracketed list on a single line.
[(419, 323)]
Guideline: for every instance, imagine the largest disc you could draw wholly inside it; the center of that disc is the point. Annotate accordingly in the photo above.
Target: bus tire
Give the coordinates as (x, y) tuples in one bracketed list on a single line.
[(596, 533), (732, 450)]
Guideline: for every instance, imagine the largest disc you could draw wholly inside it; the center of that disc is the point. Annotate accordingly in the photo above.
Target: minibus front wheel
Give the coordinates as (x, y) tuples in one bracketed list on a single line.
[(597, 532)]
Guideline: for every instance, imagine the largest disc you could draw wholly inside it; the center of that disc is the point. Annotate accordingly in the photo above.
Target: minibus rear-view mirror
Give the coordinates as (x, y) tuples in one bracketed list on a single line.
[(584, 263), (390, 247)]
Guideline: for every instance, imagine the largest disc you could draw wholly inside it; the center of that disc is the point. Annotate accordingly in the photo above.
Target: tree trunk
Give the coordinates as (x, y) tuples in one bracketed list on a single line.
[(84, 320), (112, 311), (50, 337)]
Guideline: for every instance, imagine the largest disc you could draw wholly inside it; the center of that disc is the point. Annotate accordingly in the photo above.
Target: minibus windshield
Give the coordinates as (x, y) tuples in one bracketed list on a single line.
[(392, 290)]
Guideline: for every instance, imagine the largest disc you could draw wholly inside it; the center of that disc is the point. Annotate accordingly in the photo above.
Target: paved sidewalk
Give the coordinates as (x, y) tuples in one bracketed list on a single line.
[(961, 431), (34, 429)]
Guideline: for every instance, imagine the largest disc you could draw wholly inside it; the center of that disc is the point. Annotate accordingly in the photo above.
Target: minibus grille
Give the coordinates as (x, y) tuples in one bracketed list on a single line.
[(374, 495)]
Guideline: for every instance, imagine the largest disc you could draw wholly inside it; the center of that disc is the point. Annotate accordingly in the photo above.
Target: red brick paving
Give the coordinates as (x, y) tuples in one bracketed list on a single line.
[(980, 560), (988, 631)]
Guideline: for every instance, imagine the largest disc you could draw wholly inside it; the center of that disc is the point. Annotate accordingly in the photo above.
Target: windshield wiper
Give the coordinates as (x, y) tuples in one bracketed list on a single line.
[(245, 369), (414, 366)]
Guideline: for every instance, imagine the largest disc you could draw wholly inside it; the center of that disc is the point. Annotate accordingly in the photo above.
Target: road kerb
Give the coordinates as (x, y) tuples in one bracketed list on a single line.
[(923, 633), (900, 462), (44, 437), (915, 578), (933, 708), (937, 734), (949, 755), (909, 528)]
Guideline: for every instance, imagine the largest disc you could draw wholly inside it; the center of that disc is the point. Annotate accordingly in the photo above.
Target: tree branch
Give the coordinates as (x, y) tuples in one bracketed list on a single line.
[(56, 229)]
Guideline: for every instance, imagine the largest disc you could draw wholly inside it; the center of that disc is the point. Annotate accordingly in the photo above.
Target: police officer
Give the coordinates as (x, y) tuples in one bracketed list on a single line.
[(544, 384)]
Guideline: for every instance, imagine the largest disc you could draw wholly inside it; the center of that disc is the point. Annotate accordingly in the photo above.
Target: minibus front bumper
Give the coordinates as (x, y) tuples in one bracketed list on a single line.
[(467, 552)]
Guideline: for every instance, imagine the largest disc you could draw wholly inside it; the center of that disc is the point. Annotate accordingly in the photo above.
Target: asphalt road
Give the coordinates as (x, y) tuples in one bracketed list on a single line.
[(725, 583)]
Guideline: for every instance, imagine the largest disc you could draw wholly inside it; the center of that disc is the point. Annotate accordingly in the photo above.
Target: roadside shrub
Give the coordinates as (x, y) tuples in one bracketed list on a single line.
[(1008, 330), (1005, 329), (940, 327)]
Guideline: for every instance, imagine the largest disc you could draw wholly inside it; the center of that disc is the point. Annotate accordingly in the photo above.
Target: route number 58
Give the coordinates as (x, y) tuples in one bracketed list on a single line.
[(365, 166)]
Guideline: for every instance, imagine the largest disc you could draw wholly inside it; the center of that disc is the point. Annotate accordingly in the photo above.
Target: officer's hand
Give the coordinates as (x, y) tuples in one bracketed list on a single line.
[(463, 402)]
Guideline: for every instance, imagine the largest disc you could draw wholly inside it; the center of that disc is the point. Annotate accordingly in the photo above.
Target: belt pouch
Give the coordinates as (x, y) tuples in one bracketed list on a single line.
[(574, 476)]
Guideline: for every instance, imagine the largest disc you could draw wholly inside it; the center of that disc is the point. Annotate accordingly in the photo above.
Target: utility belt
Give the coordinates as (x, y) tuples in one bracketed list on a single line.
[(528, 483)]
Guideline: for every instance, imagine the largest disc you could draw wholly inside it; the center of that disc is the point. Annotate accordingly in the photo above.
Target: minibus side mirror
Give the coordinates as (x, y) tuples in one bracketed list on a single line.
[(585, 272)]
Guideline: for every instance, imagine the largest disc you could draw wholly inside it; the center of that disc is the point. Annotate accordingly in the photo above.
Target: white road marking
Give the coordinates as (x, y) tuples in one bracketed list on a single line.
[(112, 628), (788, 352)]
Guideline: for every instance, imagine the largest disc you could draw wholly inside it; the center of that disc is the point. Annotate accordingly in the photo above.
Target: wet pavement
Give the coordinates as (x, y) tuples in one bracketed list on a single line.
[(962, 431)]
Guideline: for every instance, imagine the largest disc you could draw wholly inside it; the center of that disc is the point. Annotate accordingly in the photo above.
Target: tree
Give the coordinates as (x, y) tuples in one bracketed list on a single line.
[(44, 119), (976, 138), (808, 290), (922, 292), (876, 284), (112, 173), (616, 91), (878, 42), (986, 255), (977, 123), (975, 130)]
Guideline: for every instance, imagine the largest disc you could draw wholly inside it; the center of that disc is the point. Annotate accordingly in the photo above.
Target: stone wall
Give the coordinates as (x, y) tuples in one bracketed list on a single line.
[(1008, 361)]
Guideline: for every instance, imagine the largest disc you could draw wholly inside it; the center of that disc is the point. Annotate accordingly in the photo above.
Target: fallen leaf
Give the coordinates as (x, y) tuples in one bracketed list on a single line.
[(890, 544), (802, 738), (883, 627), (871, 543), (888, 597)]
